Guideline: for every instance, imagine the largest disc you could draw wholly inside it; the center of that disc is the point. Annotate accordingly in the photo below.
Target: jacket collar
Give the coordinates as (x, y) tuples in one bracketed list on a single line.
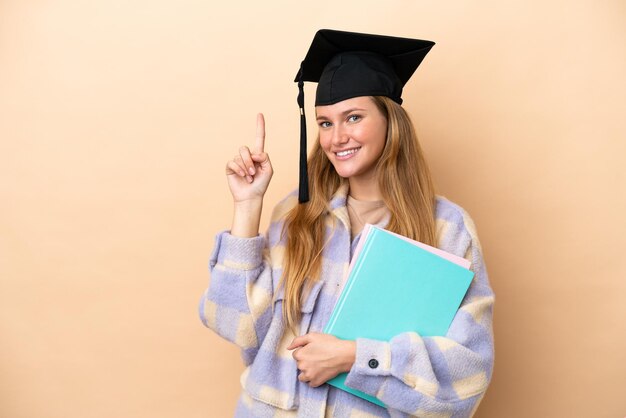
[(338, 204), (340, 197)]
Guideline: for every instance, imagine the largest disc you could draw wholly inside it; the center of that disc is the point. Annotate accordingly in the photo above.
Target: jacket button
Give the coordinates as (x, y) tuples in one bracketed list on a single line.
[(373, 363)]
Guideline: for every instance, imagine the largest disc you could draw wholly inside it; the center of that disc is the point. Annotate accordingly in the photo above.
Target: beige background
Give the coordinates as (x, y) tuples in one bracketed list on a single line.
[(117, 118)]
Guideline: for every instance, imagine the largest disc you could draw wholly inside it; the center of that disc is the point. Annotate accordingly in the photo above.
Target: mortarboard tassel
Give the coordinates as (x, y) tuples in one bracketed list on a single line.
[(303, 191)]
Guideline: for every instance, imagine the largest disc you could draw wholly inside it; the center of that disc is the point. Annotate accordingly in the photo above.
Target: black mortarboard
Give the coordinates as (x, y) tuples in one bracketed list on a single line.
[(349, 64)]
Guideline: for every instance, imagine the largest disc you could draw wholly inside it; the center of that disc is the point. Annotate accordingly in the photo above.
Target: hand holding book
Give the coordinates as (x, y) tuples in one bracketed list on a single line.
[(321, 357)]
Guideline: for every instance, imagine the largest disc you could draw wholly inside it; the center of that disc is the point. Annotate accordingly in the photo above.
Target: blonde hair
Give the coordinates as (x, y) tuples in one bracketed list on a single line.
[(405, 184)]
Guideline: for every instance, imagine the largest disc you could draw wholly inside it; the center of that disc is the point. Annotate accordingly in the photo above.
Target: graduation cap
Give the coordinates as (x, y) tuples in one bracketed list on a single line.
[(349, 64)]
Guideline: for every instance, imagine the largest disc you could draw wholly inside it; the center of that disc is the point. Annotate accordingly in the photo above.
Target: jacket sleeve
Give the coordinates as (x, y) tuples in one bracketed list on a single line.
[(237, 304), (434, 376)]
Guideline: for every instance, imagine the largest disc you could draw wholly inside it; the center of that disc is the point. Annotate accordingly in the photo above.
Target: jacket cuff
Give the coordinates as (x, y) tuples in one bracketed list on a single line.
[(236, 252), (373, 358)]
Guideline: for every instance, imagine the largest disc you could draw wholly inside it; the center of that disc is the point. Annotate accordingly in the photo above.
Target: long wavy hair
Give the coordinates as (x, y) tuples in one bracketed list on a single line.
[(406, 187)]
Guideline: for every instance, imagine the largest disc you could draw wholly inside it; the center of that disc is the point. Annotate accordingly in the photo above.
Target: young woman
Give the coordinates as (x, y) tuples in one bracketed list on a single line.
[(272, 295)]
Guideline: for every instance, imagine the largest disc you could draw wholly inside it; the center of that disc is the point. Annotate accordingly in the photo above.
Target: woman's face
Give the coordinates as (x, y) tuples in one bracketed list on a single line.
[(352, 134)]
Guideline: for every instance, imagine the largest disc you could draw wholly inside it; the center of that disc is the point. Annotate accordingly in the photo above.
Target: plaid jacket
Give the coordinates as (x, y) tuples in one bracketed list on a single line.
[(418, 376)]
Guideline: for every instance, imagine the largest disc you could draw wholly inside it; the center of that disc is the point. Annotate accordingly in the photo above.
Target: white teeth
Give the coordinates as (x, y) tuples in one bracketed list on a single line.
[(347, 152)]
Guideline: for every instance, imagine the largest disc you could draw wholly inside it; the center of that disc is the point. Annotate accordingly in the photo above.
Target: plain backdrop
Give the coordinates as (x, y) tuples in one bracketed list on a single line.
[(116, 122)]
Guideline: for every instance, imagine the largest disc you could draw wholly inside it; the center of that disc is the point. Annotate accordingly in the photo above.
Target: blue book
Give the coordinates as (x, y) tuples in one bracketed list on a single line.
[(397, 285)]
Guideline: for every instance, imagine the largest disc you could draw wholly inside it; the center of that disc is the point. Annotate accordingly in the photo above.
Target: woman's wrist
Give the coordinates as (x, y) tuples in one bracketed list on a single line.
[(246, 218), (349, 355)]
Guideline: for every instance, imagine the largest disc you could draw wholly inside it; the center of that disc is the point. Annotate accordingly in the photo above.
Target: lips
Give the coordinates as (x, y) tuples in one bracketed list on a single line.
[(346, 153)]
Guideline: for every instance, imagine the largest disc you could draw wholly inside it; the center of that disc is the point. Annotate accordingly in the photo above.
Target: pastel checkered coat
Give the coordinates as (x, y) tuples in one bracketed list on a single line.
[(417, 376)]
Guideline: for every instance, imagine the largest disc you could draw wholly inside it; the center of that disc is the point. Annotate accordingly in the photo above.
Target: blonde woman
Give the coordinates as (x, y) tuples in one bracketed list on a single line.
[(272, 295)]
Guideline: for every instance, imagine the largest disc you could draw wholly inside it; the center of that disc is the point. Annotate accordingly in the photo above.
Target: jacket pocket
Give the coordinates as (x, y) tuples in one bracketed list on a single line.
[(272, 377)]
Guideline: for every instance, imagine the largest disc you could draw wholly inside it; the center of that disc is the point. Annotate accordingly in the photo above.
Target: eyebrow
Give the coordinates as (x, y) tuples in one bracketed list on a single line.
[(345, 112)]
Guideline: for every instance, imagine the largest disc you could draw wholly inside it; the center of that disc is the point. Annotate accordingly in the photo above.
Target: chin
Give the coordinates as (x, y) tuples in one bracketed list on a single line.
[(346, 174)]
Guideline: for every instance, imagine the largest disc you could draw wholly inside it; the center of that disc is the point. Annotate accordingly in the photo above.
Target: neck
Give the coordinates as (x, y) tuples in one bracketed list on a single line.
[(365, 190)]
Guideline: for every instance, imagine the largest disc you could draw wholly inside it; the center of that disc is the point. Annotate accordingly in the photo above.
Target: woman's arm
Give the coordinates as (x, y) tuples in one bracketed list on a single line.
[(237, 302), (238, 299), (446, 375), (249, 174)]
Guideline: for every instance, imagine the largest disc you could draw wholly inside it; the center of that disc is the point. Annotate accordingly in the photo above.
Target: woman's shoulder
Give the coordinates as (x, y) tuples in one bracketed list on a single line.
[(449, 210), (284, 206), (275, 232), (454, 223)]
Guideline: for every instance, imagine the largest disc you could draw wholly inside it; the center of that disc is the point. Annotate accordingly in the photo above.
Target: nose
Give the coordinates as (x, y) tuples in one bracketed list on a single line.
[(340, 135)]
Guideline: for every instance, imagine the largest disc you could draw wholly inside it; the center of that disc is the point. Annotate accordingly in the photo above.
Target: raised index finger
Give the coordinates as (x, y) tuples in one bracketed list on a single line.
[(259, 144)]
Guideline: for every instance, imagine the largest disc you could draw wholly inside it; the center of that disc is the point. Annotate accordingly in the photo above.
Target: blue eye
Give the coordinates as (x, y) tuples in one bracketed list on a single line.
[(324, 124), (354, 118)]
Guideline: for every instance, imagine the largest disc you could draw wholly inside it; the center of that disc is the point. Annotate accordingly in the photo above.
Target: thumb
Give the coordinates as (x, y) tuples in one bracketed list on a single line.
[(298, 342), (262, 159)]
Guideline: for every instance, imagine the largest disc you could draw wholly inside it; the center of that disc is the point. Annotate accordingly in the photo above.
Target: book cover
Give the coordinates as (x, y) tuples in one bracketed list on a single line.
[(397, 285)]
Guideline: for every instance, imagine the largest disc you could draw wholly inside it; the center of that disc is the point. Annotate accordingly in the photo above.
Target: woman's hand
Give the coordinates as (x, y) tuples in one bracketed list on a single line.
[(250, 171), (320, 357)]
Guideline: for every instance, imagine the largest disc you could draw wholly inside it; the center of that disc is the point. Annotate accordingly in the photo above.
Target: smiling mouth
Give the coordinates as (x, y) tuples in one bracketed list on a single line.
[(347, 152)]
